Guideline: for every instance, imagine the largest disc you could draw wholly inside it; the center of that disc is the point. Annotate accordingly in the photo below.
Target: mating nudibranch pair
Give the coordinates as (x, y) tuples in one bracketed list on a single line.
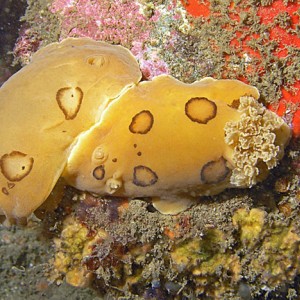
[(79, 111)]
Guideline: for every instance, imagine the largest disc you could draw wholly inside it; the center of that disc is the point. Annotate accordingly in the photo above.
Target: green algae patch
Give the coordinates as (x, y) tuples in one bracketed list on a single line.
[(279, 258), (207, 259), (276, 247), (250, 225), (195, 251)]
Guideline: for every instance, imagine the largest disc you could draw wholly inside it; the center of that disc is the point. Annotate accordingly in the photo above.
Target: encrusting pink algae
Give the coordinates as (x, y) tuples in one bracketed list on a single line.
[(119, 22)]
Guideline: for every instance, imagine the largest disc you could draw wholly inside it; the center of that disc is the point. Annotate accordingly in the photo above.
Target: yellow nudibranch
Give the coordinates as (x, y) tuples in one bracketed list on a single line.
[(79, 111)]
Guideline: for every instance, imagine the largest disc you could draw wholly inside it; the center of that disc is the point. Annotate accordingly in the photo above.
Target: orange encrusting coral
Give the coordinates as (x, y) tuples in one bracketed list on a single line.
[(197, 9), (282, 34), (285, 39)]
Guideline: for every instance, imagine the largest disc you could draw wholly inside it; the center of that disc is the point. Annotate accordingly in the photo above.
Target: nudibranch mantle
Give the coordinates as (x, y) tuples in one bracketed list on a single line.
[(45, 106), (79, 111), (174, 141)]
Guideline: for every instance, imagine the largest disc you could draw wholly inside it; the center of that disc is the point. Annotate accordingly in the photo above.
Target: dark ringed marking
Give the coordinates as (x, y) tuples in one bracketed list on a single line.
[(99, 172), (144, 176), (214, 171), (114, 160), (69, 100), (16, 165), (200, 110), (142, 122), (139, 153)]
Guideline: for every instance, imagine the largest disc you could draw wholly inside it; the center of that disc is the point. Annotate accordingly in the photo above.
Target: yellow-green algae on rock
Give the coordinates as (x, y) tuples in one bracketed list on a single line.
[(250, 225), (251, 251), (277, 255), (205, 260)]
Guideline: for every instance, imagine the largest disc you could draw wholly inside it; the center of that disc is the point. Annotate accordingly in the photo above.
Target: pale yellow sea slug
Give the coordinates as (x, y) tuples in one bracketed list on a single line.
[(45, 106), (80, 109), (174, 141)]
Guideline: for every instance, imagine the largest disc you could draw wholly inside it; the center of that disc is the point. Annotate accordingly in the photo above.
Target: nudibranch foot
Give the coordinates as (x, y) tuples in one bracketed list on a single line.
[(172, 205)]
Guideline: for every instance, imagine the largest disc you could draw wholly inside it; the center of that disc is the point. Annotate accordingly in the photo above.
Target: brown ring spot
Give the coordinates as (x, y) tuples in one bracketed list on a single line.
[(142, 122), (214, 171), (16, 165), (69, 100), (200, 110), (144, 176), (99, 172)]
